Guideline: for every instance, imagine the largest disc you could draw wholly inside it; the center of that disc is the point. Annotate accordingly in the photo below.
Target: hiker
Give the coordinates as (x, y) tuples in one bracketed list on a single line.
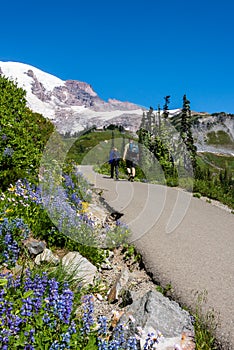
[(114, 162), (131, 155)]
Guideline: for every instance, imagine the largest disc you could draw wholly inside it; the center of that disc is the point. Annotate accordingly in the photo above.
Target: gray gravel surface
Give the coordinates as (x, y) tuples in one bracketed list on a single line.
[(184, 241)]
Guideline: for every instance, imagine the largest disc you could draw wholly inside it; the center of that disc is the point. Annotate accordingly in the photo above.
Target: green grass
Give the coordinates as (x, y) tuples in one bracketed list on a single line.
[(205, 324), (219, 138), (216, 162), (94, 147)]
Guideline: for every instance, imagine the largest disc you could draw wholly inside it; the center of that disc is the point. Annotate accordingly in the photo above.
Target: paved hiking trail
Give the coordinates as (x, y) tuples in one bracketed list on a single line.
[(184, 241)]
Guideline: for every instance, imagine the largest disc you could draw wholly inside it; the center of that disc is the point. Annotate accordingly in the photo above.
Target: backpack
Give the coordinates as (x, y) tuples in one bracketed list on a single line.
[(133, 148)]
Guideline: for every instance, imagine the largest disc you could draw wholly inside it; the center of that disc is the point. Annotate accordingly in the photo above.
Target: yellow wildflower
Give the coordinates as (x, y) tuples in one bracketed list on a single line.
[(85, 206), (11, 189)]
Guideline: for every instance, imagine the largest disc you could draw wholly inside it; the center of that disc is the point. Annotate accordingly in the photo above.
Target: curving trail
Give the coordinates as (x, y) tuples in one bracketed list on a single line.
[(184, 241)]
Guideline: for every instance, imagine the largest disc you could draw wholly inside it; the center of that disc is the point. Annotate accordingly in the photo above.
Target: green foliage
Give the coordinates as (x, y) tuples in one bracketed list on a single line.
[(216, 162), (23, 135), (197, 195), (130, 253), (213, 181), (205, 324), (165, 290), (93, 147), (117, 235), (219, 138)]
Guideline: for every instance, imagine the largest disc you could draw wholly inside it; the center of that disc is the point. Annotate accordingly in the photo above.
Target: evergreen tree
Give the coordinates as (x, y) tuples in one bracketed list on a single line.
[(165, 107), (186, 132), (159, 120), (149, 120), (155, 140), (143, 121)]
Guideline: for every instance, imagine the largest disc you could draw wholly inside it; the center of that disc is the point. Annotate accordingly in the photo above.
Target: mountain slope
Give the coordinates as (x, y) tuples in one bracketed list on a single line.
[(71, 105)]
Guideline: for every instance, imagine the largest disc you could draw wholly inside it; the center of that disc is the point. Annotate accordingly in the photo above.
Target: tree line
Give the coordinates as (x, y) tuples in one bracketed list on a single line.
[(168, 149)]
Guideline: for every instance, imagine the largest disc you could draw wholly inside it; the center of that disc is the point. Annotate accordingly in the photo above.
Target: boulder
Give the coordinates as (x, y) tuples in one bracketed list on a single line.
[(34, 246), (47, 256), (154, 313), (80, 267)]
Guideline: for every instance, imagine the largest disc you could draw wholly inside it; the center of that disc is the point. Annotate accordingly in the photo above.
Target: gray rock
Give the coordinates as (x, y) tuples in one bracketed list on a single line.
[(119, 284), (47, 256), (80, 267), (35, 247), (154, 311)]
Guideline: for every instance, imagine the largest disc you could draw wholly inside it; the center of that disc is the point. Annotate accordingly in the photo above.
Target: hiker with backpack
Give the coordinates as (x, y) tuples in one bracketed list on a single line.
[(131, 155), (114, 162)]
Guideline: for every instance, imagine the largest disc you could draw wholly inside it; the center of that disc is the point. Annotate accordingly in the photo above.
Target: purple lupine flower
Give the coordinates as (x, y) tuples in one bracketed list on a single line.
[(30, 339), (68, 181), (118, 335), (131, 344), (65, 303), (38, 286), (11, 251), (150, 341), (72, 328), (102, 323), (28, 191), (46, 318), (8, 230), (60, 305), (27, 307), (8, 152), (4, 137), (28, 283), (88, 307), (103, 344)]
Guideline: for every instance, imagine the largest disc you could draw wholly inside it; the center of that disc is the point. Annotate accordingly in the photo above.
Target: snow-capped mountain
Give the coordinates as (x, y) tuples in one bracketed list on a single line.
[(71, 105)]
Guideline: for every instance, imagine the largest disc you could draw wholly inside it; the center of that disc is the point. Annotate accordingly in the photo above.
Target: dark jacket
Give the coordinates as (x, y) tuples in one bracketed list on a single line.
[(114, 157)]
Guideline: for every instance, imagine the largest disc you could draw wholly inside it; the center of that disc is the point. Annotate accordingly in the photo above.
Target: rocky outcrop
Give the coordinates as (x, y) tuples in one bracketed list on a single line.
[(72, 105), (206, 124), (164, 319), (38, 89), (80, 268)]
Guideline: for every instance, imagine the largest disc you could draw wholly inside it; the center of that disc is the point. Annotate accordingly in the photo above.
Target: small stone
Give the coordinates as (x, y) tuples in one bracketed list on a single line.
[(99, 297), (35, 247), (106, 266), (47, 256), (119, 284)]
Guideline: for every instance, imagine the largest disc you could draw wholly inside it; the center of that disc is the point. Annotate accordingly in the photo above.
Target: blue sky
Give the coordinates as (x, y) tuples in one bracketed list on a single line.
[(131, 50)]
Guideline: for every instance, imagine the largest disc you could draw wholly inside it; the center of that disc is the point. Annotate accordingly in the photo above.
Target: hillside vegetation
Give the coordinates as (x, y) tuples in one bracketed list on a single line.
[(23, 135)]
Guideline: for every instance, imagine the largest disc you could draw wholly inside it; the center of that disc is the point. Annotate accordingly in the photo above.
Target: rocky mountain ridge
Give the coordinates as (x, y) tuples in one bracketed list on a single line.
[(213, 125), (71, 105)]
